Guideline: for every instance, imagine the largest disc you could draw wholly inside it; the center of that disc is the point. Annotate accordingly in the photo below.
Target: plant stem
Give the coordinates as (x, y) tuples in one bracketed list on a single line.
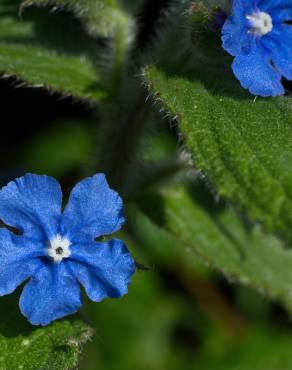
[(121, 138)]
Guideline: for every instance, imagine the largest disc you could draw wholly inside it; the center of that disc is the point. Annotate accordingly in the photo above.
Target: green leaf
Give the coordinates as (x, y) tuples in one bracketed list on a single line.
[(27, 347), (132, 5), (101, 17), (241, 252), (141, 323), (158, 243), (64, 147), (49, 51), (261, 347), (162, 323), (243, 145)]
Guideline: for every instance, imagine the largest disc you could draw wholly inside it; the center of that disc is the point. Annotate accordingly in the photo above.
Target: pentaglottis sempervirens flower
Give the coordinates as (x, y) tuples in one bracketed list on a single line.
[(58, 251), (259, 35)]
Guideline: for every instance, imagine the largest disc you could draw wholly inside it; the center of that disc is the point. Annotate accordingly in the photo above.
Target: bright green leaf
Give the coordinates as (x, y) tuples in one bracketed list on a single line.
[(243, 145), (48, 50), (27, 347)]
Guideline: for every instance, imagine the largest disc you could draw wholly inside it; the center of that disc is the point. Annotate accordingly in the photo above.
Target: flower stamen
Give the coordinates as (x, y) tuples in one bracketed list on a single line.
[(59, 248), (261, 23)]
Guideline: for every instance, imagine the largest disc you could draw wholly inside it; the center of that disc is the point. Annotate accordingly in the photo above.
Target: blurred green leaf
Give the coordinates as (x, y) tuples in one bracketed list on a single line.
[(132, 5), (27, 347), (157, 145), (160, 326), (257, 347), (242, 144), (159, 245), (241, 252), (101, 17), (158, 157), (56, 151), (49, 51), (138, 332)]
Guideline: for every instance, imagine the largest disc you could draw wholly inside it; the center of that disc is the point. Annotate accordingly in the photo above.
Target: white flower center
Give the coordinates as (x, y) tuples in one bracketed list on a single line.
[(59, 248), (261, 23)]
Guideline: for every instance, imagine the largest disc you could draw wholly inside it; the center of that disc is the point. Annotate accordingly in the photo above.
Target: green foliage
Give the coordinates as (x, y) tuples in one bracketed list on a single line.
[(100, 17), (48, 51), (64, 147), (259, 347), (242, 252), (143, 322), (132, 5), (157, 328), (242, 144), (180, 313), (23, 346)]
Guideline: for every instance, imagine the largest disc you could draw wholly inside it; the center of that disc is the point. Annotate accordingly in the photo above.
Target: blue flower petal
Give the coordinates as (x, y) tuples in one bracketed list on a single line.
[(104, 269), (235, 36), (267, 5), (255, 72), (52, 293), (282, 15), (243, 7), (18, 262), (93, 210), (279, 43), (32, 204), (279, 10)]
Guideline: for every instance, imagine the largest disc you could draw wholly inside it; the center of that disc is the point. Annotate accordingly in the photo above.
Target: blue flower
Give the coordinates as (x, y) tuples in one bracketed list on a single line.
[(259, 35), (58, 251)]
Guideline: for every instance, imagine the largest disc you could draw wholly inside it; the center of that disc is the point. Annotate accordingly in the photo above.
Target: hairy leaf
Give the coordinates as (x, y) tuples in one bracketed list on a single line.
[(27, 347), (241, 252), (243, 145), (46, 50), (101, 17)]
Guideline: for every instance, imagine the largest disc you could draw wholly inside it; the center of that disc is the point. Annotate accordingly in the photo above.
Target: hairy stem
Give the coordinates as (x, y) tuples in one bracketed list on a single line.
[(125, 116), (121, 138)]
